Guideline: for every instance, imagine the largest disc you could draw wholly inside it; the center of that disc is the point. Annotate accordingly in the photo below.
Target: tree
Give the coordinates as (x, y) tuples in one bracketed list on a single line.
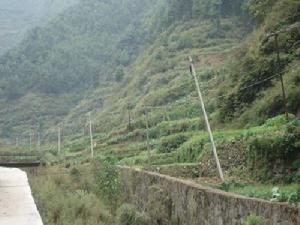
[(180, 9), (215, 16), (108, 184), (119, 74)]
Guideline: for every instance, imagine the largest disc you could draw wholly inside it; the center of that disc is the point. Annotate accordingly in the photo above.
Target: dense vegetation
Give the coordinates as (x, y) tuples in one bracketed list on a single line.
[(258, 62), (72, 55), (17, 17), (127, 63)]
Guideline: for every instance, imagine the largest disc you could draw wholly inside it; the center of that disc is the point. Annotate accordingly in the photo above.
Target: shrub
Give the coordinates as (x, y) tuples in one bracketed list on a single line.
[(108, 184), (281, 149), (75, 175), (172, 127), (294, 198), (77, 145), (62, 203), (254, 220), (185, 41), (192, 149), (119, 74), (171, 143), (134, 135), (128, 215)]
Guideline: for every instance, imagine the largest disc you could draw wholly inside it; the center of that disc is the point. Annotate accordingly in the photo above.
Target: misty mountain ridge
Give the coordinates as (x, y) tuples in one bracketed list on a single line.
[(17, 17), (102, 56)]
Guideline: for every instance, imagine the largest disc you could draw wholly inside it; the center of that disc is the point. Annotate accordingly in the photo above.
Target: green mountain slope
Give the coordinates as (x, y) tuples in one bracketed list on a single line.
[(159, 75), (237, 69), (55, 65), (257, 63), (103, 56), (17, 17), (239, 76)]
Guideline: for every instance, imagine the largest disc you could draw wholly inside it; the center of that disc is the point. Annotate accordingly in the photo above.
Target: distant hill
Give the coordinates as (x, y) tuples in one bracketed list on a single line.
[(79, 51), (104, 56), (17, 17)]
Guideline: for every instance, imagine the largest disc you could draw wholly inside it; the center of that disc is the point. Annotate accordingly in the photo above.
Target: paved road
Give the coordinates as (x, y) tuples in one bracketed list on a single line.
[(17, 206)]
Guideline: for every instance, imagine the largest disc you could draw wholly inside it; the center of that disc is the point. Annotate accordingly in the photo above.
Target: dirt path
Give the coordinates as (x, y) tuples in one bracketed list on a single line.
[(17, 206)]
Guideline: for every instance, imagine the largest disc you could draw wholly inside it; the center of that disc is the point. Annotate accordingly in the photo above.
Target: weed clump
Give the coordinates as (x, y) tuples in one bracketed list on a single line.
[(171, 143), (273, 157), (128, 215), (254, 220)]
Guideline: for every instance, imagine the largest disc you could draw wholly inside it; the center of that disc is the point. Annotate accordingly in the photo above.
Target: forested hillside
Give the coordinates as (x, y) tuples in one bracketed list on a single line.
[(103, 56), (84, 50), (55, 65), (256, 63), (108, 82), (17, 17)]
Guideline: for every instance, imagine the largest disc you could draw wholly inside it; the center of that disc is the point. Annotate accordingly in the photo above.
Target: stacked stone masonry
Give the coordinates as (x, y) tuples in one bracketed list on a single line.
[(193, 204)]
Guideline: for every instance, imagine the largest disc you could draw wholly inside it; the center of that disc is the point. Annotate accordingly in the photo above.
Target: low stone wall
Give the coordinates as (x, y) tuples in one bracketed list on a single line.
[(193, 204)]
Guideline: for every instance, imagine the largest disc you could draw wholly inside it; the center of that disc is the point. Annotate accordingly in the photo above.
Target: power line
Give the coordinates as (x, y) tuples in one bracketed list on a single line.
[(247, 87), (214, 98)]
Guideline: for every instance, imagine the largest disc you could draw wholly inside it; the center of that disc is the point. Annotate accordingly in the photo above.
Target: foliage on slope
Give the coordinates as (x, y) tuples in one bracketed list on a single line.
[(17, 17), (73, 50), (256, 62), (160, 76), (88, 44), (92, 48)]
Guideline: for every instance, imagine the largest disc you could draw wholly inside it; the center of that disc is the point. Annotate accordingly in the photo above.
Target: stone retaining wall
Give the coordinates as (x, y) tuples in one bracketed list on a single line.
[(193, 204)]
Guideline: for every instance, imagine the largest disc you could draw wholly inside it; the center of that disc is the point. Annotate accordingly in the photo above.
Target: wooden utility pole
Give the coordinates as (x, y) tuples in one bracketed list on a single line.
[(59, 140), (129, 108), (39, 141), (281, 78), (129, 119), (147, 134), (91, 135), (30, 140), (193, 73), (278, 67), (167, 118)]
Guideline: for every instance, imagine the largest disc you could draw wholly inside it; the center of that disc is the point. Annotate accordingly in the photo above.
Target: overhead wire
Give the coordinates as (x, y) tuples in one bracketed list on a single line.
[(52, 131)]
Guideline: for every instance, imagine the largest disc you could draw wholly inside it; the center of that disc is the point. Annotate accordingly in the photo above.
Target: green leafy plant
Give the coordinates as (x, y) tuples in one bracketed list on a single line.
[(171, 143), (108, 184), (254, 220), (294, 198), (282, 147)]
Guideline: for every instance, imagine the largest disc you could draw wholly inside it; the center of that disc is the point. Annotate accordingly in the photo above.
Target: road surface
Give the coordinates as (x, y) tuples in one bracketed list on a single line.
[(17, 206)]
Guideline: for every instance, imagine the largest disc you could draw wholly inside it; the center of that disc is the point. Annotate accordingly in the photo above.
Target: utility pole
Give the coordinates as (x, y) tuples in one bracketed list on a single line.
[(39, 141), (129, 108), (276, 35), (129, 119), (30, 140), (147, 134), (59, 140), (193, 73), (167, 118), (91, 136), (281, 78), (17, 142)]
